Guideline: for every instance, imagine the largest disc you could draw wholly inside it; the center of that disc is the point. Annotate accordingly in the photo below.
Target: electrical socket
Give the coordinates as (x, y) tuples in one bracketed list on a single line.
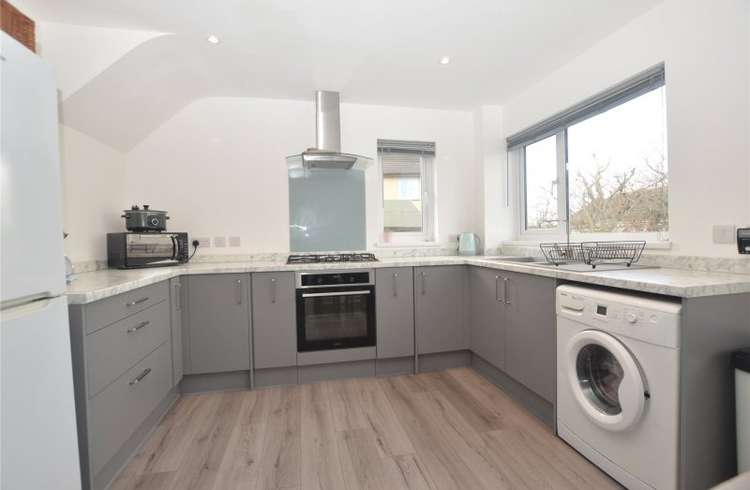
[(234, 241), (204, 241), (220, 241), (725, 234)]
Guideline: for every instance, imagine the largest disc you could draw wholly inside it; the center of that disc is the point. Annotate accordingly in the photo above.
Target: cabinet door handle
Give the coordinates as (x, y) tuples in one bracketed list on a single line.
[(497, 288), (140, 377), (137, 302), (506, 293), (238, 288), (273, 290), (139, 326), (395, 291), (424, 282), (177, 296)]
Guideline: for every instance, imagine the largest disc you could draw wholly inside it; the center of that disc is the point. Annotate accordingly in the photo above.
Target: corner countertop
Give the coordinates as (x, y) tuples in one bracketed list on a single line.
[(94, 286)]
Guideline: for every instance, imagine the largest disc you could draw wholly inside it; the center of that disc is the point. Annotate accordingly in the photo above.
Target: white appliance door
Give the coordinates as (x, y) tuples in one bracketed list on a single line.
[(39, 447), (605, 380), (32, 250)]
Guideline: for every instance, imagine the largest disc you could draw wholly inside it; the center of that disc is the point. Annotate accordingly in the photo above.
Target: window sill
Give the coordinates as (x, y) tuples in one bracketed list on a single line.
[(535, 243)]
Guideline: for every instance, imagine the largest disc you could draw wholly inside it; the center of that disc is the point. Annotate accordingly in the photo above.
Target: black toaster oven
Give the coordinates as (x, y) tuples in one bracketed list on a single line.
[(136, 250)]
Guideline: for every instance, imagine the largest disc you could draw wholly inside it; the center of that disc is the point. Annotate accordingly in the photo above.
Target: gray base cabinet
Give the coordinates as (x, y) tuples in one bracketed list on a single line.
[(123, 373), (176, 302), (440, 297), (216, 336), (274, 320), (530, 335), (487, 315), (394, 312)]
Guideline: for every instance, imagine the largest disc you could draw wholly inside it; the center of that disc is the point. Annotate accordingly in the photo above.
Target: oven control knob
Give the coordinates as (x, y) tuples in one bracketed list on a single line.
[(154, 220), (631, 317)]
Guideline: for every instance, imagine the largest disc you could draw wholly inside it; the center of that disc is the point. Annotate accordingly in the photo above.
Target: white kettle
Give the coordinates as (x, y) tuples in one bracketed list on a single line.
[(468, 243)]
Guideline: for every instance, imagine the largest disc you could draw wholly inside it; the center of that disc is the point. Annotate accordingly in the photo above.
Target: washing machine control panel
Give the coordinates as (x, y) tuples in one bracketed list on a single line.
[(634, 316)]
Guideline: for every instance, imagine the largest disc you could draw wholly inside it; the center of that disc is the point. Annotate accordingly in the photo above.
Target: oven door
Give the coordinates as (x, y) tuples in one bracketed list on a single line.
[(335, 318), (150, 249)]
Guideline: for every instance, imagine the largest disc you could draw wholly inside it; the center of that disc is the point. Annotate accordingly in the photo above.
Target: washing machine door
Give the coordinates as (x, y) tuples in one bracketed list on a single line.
[(606, 380)]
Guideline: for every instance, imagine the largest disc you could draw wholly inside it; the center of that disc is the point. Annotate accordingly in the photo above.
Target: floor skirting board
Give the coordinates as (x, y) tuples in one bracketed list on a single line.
[(541, 408), (230, 381), (395, 366), (280, 376), (443, 360)]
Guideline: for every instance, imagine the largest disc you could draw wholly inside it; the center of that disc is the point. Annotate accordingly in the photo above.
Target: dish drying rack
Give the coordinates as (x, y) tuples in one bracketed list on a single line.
[(625, 252)]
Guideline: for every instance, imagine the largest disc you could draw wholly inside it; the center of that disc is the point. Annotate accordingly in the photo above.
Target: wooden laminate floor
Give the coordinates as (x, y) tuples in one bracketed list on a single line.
[(446, 430)]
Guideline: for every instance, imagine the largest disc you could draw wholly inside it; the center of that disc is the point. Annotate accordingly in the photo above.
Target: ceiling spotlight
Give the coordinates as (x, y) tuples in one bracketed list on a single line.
[(213, 39), (445, 60)]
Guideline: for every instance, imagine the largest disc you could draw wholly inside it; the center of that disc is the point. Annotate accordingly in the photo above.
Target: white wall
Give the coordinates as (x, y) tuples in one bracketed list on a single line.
[(92, 175), (95, 48), (218, 166), (705, 49)]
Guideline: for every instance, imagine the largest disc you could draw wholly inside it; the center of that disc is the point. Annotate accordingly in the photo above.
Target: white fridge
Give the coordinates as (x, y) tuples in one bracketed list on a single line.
[(39, 444)]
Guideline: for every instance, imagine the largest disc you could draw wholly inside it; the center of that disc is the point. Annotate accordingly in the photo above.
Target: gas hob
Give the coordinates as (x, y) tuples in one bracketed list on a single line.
[(331, 258)]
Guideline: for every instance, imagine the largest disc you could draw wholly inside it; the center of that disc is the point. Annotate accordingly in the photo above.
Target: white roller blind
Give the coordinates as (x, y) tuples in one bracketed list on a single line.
[(403, 164), (398, 146), (631, 88)]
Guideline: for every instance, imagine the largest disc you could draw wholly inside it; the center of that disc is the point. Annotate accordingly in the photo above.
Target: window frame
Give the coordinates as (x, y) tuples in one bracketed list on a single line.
[(562, 188), (563, 231), (427, 183)]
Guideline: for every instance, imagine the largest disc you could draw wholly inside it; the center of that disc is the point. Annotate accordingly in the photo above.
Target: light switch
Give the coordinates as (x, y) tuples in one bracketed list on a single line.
[(220, 241), (234, 241), (725, 233)]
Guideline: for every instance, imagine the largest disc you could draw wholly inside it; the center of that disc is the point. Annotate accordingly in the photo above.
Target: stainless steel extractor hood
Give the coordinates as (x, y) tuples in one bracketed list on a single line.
[(327, 152)]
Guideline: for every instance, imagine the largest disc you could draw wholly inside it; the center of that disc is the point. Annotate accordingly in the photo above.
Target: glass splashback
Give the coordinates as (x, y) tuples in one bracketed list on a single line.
[(326, 210)]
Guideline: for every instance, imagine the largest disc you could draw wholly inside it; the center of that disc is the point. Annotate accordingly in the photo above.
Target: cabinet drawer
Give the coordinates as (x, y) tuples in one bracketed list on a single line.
[(114, 349), (107, 311), (116, 412)]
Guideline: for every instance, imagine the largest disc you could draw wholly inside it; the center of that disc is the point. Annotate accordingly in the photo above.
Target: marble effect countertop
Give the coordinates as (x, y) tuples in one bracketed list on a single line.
[(94, 286)]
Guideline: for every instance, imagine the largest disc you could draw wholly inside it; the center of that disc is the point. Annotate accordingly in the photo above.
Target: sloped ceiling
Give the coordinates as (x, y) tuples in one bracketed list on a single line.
[(383, 52)]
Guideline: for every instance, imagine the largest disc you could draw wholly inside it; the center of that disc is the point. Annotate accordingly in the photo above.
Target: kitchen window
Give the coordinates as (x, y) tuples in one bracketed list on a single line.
[(407, 190), (599, 169)]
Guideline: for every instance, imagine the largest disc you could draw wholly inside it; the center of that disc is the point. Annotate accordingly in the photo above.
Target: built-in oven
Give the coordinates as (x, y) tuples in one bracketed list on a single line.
[(335, 309)]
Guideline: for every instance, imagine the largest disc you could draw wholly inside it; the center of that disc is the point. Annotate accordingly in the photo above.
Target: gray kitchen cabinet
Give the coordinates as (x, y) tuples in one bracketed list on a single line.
[(440, 308), (530, 347), (121, 352), (487, 314), (176, 302), (217, 323), (274, 320), (394, 312)]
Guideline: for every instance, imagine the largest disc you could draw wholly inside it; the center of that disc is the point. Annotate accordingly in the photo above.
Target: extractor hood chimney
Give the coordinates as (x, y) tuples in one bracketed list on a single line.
[(327, 152)]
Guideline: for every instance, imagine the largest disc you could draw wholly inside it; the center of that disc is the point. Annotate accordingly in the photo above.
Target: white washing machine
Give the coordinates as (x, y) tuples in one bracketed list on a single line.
[(618, 383)]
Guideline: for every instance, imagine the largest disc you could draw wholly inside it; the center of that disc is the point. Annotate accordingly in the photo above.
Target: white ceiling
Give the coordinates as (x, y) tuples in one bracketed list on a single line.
[(373, 51)]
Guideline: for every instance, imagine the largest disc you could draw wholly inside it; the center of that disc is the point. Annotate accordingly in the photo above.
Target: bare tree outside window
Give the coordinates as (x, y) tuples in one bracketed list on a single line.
[(616, 169)]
